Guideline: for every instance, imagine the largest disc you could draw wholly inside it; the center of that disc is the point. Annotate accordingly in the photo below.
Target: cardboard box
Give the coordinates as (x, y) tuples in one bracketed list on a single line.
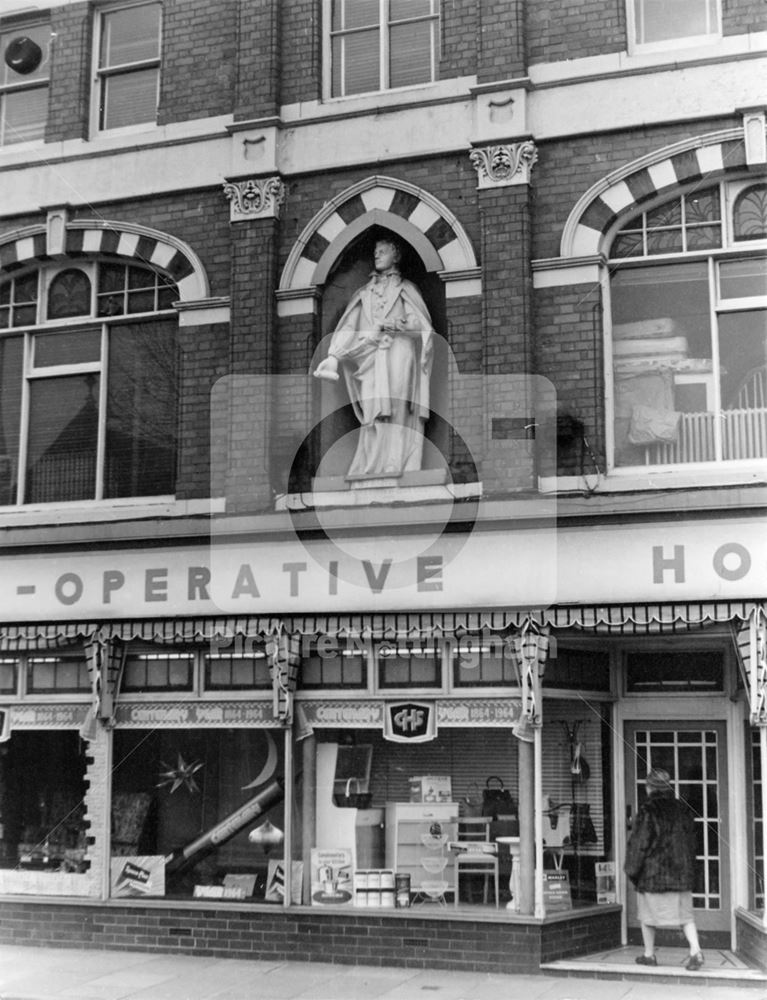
[(431, 788)]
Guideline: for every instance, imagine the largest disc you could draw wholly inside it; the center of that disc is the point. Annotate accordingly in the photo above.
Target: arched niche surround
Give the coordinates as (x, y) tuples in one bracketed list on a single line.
[(333, 257)]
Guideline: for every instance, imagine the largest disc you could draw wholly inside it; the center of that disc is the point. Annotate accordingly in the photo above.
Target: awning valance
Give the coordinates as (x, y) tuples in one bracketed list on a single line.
[(618, 618)]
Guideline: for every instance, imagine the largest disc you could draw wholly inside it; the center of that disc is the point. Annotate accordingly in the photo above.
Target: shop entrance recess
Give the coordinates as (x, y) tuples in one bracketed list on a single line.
[(694, 753)]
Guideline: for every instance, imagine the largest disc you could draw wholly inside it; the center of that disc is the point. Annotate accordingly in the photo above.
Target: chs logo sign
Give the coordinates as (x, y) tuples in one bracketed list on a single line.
[(410, 722)]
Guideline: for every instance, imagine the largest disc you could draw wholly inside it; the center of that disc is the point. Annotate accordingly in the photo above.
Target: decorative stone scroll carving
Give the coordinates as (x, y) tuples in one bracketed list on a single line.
[(505, 164), (257, 198)]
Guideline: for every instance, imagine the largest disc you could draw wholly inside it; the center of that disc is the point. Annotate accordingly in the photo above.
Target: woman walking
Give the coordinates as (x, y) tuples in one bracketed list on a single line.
[(660, 860)]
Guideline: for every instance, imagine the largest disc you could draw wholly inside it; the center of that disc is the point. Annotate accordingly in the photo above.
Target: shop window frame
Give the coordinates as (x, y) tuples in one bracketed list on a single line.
[(704, 644), (103, 73), (198, 689), (13, 84), (23, 661)]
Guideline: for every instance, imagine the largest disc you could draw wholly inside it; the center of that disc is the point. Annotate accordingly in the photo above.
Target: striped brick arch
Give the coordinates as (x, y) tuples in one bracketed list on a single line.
[(134, 244), (415, 215), (695, 161)]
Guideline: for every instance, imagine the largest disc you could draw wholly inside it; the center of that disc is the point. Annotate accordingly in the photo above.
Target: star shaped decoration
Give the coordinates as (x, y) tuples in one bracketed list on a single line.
[(181, 774)]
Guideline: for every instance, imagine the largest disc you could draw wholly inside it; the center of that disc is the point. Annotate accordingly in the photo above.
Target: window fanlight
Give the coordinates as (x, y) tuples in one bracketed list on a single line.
[(23, 55)]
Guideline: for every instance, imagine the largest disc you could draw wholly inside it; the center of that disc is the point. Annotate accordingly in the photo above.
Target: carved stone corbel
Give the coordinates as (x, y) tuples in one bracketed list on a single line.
[(257, 198), (504, 164)]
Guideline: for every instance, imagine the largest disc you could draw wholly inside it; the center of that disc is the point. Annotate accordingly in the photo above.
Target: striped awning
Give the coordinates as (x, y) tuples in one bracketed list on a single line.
[(608, 618)]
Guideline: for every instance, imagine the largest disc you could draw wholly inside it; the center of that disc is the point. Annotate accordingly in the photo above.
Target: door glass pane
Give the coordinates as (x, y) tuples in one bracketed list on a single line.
[(141, 410), (63, 431), (684, 753)]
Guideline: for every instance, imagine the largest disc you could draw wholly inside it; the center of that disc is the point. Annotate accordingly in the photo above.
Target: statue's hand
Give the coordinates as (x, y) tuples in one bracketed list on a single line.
[(327, 369)]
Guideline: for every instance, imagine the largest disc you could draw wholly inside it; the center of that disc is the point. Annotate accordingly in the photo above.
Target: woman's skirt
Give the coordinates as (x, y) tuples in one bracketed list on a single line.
[(665, 909)]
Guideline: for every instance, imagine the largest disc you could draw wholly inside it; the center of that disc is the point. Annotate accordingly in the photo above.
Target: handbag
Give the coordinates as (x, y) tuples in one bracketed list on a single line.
[(497, 800), (581, 825)]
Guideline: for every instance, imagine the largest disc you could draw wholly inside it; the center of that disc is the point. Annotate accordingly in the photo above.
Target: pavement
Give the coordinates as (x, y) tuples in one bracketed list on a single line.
[(35, 973)]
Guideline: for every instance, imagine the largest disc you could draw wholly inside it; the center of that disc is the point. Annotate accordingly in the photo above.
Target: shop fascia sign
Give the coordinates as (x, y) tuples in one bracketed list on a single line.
[(698, 560)]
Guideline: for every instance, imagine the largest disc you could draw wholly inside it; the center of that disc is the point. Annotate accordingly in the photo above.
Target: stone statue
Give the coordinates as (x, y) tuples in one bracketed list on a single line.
[(383, 344)]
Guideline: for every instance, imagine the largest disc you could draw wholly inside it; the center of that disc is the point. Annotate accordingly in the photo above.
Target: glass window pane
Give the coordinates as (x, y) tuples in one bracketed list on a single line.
[(63, 430), (628, 245), (661, 338), (69, 294), (67, 347), (8, 674), (24, 115), (750, 213), (704, 237), (355, 14), (410, 53), (743, 348), (130, 35), (659, 20), (740, 279), (139, 302), (400, 9), (664, 241), (11, 370), (129, 98), (669, 214), (359, 56), (141, 410)]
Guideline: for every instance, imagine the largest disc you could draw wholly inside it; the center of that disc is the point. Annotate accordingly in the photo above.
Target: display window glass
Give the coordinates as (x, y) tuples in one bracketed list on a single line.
[(197, 813)]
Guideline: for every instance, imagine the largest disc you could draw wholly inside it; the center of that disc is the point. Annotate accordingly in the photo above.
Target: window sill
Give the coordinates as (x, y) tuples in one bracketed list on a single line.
[(654, 479), (111, 510), (333, 107)]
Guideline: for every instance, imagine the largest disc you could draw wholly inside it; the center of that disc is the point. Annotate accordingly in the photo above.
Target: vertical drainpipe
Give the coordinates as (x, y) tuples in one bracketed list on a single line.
[(288, 811)]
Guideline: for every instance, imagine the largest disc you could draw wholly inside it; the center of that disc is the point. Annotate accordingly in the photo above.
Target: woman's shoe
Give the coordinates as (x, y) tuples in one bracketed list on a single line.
[(649, 960), (694, 962)]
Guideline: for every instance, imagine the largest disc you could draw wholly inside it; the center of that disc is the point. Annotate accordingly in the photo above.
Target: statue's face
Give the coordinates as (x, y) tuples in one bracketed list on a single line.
[(384, 256)]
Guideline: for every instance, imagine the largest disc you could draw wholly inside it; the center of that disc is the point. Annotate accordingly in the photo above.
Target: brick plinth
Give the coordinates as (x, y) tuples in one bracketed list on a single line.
[(413, 941)]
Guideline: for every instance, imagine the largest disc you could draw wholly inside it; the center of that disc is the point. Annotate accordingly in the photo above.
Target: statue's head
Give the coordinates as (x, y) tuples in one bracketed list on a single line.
[(386, 254)]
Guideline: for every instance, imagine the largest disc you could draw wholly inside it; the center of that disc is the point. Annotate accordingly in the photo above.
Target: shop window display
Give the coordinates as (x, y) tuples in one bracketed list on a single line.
[(187, 808), (42, 803)]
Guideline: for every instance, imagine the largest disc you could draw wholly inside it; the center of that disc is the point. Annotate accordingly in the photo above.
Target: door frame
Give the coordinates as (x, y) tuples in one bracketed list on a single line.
[(700, 709)]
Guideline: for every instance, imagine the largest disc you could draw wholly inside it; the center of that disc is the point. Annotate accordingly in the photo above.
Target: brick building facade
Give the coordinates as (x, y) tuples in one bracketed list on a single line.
[(197, 591)]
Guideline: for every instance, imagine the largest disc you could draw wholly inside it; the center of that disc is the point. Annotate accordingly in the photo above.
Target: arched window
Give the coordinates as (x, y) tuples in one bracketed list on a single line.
[(688, 344), (88, 384)]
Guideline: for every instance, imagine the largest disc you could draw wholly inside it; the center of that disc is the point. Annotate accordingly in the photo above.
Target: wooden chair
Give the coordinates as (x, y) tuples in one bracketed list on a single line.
[(475, 854)]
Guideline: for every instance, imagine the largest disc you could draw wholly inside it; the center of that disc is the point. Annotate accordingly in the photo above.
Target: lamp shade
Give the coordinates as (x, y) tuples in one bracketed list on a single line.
[(23, 55), (266, 836)]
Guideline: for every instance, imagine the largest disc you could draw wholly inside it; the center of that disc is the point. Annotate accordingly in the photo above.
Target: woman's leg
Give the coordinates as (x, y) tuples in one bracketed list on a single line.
[(691, 933), (648, 938)]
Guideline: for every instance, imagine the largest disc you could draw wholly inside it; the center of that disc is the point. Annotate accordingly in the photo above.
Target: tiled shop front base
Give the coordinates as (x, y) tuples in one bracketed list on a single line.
[(413, 939)]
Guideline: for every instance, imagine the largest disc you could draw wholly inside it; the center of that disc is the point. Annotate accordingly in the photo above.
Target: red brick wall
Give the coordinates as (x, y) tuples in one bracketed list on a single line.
[(258, 59), (574, 30), (412, 941), (69, 95), (301, 74), (199, 59)]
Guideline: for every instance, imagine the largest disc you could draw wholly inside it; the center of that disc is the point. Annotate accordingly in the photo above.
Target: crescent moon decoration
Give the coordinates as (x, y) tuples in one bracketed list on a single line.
[(270, 766)]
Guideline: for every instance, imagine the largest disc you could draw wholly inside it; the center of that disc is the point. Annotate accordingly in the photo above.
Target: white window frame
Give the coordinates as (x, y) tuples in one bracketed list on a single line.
[(31, 372), (636, 47), (23, 85), (714, 257), (383, 51), (99, 74)]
